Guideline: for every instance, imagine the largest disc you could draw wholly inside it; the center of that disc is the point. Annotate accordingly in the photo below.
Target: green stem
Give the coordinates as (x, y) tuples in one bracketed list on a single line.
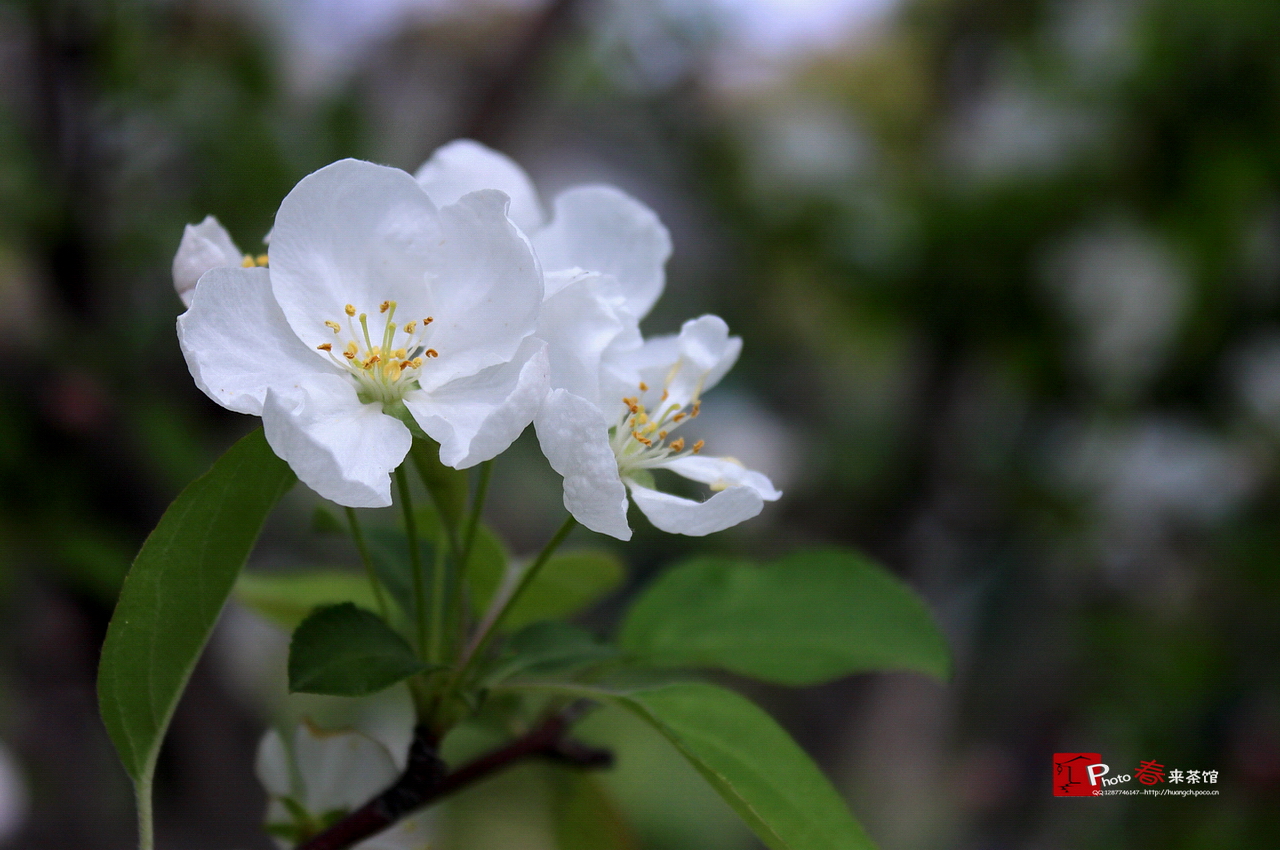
[(146, 830), (435, 644), (503, 603), (415, 560), (473, 521), (358, 536)]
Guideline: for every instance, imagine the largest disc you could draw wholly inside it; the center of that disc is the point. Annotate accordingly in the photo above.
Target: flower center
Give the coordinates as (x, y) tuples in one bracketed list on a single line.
[(640, 439), (384, 366)]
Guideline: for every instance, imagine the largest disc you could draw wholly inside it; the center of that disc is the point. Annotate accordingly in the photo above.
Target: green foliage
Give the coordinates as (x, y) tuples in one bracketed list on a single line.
[(174, 592), (807, 618), (568, 583), (550, 648), (749, 760), (171, 599), (345, 651), (586, 818), (288, 599)]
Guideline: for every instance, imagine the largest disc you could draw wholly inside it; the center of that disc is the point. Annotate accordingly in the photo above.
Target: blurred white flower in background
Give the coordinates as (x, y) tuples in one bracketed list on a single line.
[(1125, 294), (15, 800), (318, 776)]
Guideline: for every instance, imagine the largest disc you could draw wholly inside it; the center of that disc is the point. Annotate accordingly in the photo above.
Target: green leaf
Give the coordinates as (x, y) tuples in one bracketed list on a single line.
[(345, 651), (748, 759), (568, 583), (287, 599), (585, 816), (808, 618), (174, 592), (549, 648)]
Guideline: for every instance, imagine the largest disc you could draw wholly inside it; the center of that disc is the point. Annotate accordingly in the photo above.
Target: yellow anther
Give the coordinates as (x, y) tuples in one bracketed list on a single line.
[(650, 428), (428, 320), (664, 395), (370, 360), (431, 352), (333, 326), (642, 417), (678, 417), (262, 259), (641, 439), (399, 354), (662, 435), (697, 408), (384, 306), (697, 447), (417, 362), (352, 348), (350, 309), (717, 486), (325, 346), (644, 388), (247, 262), (350, 355), (677, 445), (410, 327), (405, 364)]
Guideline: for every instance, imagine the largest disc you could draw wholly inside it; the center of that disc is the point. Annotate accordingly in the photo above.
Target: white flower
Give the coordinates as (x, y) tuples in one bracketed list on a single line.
[(325, 775), (593, 228), (378, 308), (605, 445), (205, 246)]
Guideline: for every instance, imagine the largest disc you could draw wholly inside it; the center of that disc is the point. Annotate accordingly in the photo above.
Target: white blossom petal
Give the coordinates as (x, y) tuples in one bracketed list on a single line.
[(476, 418), (580, 324), (602, 229), (677, 515), (464, 166), (575, 440), (722, 473), (485, 285), (237, 342), (352, 233), (341, 448), (687, 364), (272, 765), (341, 770), (204, 246)]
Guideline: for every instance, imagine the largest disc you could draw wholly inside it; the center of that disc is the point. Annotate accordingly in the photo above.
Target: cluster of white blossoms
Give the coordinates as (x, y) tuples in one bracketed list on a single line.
[(449, 303)]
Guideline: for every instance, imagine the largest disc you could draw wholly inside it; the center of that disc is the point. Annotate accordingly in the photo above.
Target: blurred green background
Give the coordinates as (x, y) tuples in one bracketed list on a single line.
[(1008, 275)]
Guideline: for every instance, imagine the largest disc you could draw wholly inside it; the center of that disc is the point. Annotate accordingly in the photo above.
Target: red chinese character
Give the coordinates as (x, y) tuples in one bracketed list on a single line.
[(1150, 773)]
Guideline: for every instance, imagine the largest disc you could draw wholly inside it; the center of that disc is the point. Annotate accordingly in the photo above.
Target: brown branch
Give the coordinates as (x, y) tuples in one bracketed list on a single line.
[(424, 780)]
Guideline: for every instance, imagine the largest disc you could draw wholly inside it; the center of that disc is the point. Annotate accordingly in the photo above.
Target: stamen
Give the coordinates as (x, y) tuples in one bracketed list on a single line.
[(431, 352), (350, 309), (261, 259), (662, 435), (678, 417), (428, 320), (384, 306), (644, 388), (364, 325), (333, 326), (640, 439), (665, 394), (247, 262), (697, 408), (697, 447), (410, 327), (677, 445), (325, 346)]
